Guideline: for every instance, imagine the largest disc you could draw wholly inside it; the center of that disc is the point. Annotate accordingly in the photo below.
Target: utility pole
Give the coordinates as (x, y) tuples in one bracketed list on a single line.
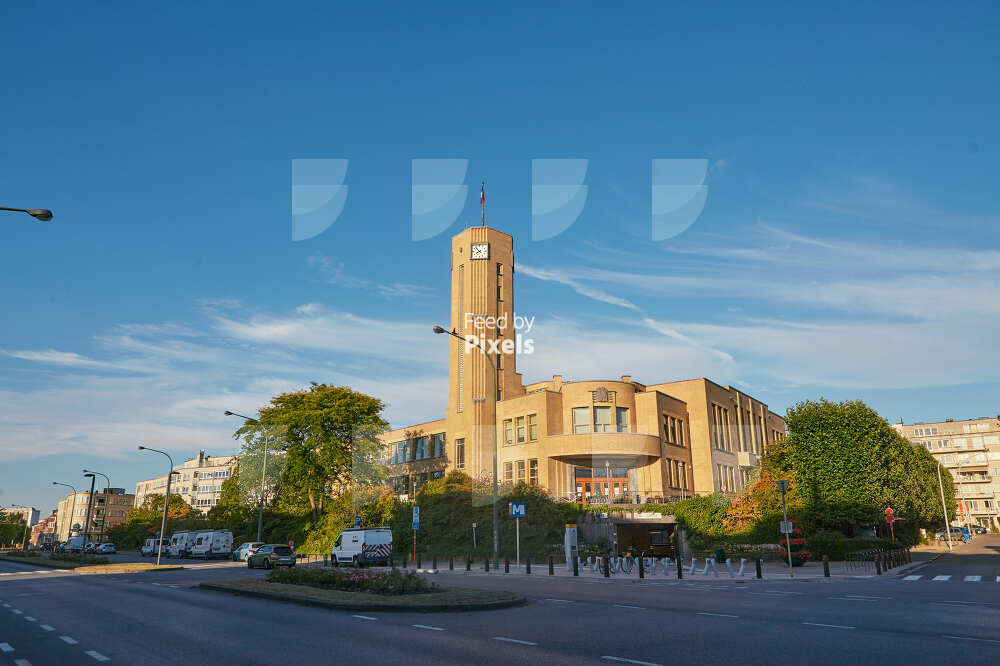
[(90, 506)]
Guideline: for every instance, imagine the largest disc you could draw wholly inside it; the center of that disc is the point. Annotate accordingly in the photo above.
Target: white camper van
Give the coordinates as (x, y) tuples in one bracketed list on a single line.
[(151, 546), (212, 543), (180, 544), (363, 545)]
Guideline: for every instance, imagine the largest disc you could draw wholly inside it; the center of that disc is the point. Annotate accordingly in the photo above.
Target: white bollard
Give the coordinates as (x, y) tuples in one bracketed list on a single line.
[(694, 561), (594, 562), (743, 565), (708, 562), (729, 567)]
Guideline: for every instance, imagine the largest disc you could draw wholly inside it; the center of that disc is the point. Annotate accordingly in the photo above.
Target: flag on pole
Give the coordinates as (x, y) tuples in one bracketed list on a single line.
[(482, 201)]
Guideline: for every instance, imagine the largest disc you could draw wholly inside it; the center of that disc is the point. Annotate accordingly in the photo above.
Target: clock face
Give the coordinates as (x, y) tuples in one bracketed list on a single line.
[(480, 250)]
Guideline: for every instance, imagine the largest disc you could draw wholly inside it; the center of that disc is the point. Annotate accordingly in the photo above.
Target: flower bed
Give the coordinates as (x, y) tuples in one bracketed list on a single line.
[(374, 581)]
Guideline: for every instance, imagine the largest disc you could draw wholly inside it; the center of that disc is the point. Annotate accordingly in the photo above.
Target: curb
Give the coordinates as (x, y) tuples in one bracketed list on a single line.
[(43, 563), (919, 565), (167, 567), (348, 606)]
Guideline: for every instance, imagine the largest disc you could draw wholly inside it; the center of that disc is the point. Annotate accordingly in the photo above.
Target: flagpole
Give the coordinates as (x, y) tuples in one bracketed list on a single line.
[(482, 200)]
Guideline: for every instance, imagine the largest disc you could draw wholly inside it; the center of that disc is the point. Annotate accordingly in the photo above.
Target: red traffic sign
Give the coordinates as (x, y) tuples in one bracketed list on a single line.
[(291, 544), (889, 512)]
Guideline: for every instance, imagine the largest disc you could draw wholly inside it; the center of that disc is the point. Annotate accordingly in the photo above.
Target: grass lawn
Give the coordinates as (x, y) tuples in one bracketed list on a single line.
[(447, 599)]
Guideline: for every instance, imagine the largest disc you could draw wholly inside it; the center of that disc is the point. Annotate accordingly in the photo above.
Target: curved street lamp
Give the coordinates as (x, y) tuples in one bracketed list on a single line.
[(166, 501), (105, 517), (496, 451), (72, 511), (37, 213), (263, 471)]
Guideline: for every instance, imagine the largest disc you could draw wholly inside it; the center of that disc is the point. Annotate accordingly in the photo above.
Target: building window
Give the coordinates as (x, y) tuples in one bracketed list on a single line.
[(438, 444), (520, 471), (621, 418), (720, 433), (508, 472), (521, 432), (460, 453), (532, 427), (581, 420), (508, 432), (533, 472), (602, 419)]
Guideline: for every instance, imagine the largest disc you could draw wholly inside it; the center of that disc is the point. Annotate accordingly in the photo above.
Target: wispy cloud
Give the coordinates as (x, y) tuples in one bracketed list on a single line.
[(55, 357), (334, 273)]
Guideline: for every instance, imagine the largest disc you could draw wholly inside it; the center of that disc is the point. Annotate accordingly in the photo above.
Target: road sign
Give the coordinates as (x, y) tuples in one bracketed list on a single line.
[(357, 521), (416, 518), (518, 509), (782, 485), (889, 517), (787, 527)]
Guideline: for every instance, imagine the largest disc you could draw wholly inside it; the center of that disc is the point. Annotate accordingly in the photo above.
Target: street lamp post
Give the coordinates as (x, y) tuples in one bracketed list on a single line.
[(944, 507), (166, 502), (72, 511), (37, 213), (496, 452), (90, 507), (263, 471), (106, 488)]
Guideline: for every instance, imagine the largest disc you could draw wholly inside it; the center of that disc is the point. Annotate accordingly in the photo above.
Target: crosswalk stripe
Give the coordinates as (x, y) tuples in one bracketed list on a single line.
[(941, 578), (973, 579), (916, 577)]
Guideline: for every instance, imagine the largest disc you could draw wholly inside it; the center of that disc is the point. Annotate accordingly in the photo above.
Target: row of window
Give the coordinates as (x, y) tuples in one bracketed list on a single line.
[(752, 431), (923, 432), (417, 448), (673, 430), (526, 471), (526, 428), (726, 476), (602, 419), (411, 484), (676, 474)]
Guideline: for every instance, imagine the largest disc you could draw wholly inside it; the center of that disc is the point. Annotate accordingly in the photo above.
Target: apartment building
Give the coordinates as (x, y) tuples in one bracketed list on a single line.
[(44, 531), (591, 440), (197, 480), (970, 449), (28, 514), (108, 508)]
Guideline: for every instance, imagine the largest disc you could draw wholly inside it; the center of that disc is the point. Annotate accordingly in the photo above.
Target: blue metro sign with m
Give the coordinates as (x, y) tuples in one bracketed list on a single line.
[(517, 510)]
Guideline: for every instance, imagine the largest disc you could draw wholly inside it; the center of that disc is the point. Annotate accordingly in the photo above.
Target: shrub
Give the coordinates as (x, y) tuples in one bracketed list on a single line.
[(79, 558), (391, 582), (22, 553), (835, 545)]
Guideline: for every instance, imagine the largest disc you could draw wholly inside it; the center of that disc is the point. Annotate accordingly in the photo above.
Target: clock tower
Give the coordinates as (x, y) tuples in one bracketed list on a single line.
[(482, 306)]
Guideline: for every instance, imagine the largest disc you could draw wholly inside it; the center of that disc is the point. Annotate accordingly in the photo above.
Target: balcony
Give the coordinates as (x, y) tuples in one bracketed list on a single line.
[(974, 478), (583, 448)]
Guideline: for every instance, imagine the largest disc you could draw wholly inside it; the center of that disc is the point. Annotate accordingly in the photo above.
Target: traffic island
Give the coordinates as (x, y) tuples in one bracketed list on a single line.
[(125, 568), (50, 562), (440, 600)]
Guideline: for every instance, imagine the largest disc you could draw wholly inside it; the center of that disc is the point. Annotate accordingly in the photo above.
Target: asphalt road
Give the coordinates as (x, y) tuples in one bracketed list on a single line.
[(161, 618)]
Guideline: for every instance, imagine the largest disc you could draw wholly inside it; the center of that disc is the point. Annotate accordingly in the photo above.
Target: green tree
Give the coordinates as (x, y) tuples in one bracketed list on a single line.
[(329, 441), (12, 528), (151, 510)]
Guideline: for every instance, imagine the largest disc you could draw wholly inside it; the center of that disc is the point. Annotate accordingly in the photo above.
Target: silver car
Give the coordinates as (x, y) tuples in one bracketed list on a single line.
[(245, 550)]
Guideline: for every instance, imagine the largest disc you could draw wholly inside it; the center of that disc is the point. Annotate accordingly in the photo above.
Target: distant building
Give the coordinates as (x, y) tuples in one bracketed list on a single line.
[(108, 510), (198, 482), (970, 449), (44, 531), (27, 513)]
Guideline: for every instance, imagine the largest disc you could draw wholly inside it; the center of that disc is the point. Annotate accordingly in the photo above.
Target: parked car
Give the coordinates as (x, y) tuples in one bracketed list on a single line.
[(105, 548), (151, 546), (363, 545), (75, 544), (979, 529), (181, 542), (956, 534), (246, 548), (90, 547), (271, 555)]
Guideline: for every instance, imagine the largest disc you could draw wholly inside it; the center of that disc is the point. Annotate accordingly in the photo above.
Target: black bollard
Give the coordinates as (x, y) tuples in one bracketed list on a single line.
[(680, 568), (607, 566), (434, 563), (908, 560), (506, 565), (404, 562), (878, 564), (451, 563), (576, 566), (642, 566), (826, 566), (760, 568), (486, 566), (420, 558), (468, 563), (527, 565), (552, 566)]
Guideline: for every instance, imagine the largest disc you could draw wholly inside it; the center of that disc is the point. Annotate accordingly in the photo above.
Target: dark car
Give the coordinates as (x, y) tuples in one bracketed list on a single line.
[(271, 555), (979, 529)]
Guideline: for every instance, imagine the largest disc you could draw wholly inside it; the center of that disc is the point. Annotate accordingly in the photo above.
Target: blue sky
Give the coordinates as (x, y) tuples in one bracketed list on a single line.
[(848, 247)]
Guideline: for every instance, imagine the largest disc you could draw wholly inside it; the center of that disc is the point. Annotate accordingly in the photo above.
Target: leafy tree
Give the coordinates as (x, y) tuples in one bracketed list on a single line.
[(329, 439), (12, 528), (151, 510)]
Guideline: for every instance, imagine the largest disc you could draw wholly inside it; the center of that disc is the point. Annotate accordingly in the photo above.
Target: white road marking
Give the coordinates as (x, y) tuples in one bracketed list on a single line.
[(851, 599), (629, 661), (941, 578), (998, 579), (864, 596), (513, 640), (717, 614), (427, 626), (68, 639), (562, 601), (831, 626), (973, 579), (43, 571), (627, 606), (970, 638), (19, 612), (29, 618), (5, 647), (914, 577), (47, 627), (364, 617), (6, 605), (96, 655), (22, 662), (6, 573)]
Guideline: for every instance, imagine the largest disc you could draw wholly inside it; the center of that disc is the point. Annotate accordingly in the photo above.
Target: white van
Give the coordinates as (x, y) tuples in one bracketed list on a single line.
[(151, 546), (363, 545), (180, 544), (211, 543)]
